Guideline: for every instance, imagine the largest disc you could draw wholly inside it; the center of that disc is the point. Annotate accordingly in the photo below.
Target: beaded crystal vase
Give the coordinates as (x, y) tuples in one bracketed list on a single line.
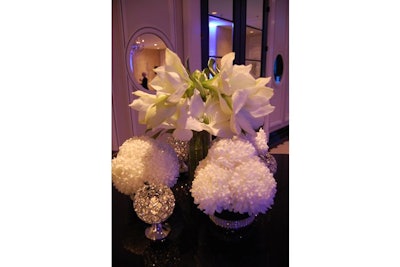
[(182, 151), (154, 204), (270, 161), (232, 220)]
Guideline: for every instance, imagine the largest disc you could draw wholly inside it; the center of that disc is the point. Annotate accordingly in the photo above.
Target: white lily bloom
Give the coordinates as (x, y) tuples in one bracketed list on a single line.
[(247, 97), (172, 79), (181, 117), (142, 104), (171, 82), (153, 109), (208, 116), (231, 103)]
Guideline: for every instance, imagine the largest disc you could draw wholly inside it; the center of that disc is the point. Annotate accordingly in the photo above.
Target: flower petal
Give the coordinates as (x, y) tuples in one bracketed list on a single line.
[(196, 105), (182, 134), (158, 114), (244, 123), (227, 60), (238, 100), (261, 111)]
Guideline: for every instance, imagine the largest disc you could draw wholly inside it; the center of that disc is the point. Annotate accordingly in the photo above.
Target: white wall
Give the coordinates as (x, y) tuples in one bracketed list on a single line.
[(129, 17), (278, 43)]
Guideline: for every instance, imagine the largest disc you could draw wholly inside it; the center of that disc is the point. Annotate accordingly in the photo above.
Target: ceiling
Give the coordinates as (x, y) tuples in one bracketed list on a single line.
[(151, 41)]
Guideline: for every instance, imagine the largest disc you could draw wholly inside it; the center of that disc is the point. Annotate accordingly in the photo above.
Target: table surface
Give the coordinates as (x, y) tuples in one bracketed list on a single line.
[(196, 241)]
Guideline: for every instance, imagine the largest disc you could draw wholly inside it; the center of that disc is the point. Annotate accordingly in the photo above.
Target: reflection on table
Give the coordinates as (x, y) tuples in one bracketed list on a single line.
[(196, 241)]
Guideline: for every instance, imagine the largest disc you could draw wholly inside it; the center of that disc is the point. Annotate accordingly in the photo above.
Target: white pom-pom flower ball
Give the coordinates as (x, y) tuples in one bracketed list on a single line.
[(233, 178), (143, 159)]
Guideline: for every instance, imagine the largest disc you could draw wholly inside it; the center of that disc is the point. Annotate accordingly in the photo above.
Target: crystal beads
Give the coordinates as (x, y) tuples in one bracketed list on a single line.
[(182, 151), (232, 224), (270, 161), (154, 204)]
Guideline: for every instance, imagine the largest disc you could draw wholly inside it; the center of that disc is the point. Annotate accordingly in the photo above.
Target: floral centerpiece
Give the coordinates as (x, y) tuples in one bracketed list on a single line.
[(143, 160), (226, 102)]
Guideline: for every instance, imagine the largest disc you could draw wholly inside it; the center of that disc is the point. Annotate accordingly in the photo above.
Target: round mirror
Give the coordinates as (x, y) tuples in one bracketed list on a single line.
[(278, 68), (145, 52)]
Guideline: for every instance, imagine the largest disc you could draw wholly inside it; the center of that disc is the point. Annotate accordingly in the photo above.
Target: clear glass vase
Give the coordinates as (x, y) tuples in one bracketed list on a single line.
[(198, 149)]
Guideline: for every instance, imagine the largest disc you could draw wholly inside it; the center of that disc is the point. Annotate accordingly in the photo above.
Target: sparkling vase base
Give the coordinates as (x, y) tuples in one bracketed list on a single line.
[(232, 231), (157, 231), (232, 224)]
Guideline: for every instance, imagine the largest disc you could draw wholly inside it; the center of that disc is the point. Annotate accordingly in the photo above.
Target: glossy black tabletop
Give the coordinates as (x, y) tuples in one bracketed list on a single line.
[(195, 240)]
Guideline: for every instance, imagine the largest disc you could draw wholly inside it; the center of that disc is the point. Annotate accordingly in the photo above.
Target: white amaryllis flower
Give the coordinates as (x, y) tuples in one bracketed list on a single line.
[(172, 79), (241, 96), (250, 105), (207, 116), (199, 116), (171, 83), (229, 104)]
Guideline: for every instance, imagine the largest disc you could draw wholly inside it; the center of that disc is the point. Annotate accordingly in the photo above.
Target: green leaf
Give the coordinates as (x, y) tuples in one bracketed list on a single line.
[(206, 72), (190, 91), (195, 77), (210, 66)]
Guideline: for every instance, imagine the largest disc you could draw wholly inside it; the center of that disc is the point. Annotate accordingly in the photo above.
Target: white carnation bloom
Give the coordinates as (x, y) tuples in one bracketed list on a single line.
[(232, 177), (143, 159), (254, 194), (231, 152), (209, 189), (259, 141)]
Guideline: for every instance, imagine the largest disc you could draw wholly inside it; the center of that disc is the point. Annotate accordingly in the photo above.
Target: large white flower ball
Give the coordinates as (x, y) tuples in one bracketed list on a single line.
[(143, 159), (232, 177)]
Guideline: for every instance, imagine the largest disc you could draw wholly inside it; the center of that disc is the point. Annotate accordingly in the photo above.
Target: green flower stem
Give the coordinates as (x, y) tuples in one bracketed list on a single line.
[(198, 149)]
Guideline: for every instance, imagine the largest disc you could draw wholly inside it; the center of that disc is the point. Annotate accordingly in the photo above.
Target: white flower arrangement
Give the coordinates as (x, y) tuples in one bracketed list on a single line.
[(226, 101), (233, 178), (143, 159), (259, 141)]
